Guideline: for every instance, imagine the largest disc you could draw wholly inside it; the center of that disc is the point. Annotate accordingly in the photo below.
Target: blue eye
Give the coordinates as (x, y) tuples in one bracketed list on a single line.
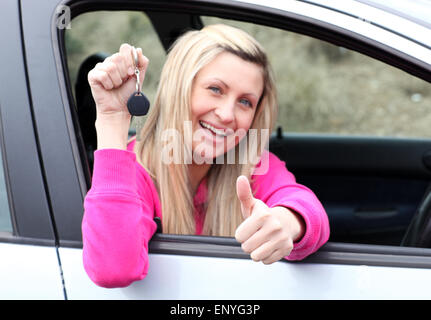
[(215, 89), (246, 102)]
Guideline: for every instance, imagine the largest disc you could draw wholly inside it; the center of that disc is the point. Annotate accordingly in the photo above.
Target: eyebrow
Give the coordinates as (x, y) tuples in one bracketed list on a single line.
[(220, 80)]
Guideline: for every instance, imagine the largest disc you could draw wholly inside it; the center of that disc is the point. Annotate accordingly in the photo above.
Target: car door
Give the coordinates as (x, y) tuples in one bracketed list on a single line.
[(369, 185), (29, 267)]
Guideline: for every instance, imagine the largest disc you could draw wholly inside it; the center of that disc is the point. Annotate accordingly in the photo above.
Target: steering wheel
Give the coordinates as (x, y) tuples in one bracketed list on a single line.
[(419, 231)]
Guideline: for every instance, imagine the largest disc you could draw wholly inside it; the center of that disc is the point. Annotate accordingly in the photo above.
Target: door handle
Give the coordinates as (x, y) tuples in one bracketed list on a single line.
[(382, 213)]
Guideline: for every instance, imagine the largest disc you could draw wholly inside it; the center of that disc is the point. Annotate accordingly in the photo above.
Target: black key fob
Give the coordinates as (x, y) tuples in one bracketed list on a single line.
[(138, 104)]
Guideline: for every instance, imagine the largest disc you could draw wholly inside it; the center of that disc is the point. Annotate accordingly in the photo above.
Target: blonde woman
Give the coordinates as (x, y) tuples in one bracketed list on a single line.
[(187, 164)]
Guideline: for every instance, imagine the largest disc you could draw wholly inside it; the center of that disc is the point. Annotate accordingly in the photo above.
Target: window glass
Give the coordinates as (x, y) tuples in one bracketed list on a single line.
[(104, 32), (328, 89)]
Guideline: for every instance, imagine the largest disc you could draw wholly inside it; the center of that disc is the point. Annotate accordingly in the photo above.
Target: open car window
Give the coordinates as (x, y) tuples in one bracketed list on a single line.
[(342, 117)]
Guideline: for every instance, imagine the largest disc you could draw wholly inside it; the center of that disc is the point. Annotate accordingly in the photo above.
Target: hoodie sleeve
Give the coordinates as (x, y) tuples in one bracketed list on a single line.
[(118, 221)]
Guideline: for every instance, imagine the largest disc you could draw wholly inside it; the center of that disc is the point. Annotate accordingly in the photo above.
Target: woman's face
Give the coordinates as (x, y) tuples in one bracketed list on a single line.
[(225, 94)]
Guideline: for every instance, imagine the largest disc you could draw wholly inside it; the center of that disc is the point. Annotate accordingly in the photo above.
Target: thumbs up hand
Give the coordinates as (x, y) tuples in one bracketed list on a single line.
[(266, 233)]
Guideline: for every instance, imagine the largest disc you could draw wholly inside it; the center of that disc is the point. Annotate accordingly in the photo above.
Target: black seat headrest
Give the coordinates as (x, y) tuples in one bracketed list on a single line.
[(86, 107)]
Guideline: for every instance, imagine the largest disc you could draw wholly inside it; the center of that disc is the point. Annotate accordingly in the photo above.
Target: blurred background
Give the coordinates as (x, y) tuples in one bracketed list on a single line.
[(322, 88)]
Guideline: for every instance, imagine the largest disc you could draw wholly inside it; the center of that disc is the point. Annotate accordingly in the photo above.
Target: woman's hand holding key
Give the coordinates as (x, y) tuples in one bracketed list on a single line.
[(112, 82)]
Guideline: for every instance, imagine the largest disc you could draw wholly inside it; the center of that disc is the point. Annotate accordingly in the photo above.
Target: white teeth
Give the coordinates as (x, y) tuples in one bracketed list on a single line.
[(210, 127)]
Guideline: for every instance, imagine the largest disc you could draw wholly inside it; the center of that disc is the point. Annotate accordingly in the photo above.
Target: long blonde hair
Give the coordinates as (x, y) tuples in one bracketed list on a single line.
[(171, 108)]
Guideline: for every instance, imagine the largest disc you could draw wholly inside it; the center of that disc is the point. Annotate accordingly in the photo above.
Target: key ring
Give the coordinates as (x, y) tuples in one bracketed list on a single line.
[(135, 58), (138, 103)]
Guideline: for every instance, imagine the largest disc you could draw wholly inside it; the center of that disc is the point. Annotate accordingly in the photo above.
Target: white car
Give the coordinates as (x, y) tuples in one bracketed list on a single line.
[(355, 98)]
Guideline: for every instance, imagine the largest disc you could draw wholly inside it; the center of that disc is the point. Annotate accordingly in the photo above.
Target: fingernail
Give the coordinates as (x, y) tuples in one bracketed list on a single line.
[(130, 71)]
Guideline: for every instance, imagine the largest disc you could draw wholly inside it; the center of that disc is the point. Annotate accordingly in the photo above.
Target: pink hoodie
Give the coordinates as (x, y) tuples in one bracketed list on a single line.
[(121, 205)]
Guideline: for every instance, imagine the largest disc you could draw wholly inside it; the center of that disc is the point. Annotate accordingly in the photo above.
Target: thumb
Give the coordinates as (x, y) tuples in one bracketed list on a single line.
[(245, 196)]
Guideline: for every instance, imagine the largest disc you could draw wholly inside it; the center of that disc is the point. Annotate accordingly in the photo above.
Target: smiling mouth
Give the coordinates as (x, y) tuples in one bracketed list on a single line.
[(219, 132)]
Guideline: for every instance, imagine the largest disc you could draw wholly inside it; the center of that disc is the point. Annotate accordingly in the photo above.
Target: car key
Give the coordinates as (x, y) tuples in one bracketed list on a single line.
[(138, 104)]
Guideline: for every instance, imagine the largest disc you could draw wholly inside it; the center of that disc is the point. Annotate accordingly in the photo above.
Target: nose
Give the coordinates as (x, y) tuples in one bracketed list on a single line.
[(225, 112)]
